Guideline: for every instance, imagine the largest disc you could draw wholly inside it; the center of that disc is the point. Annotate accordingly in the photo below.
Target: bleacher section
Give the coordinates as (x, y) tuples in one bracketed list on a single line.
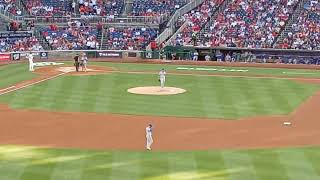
[(10, 6), (215, 23), (18, 43), (195, 21), (156, 7), (72, 37), (111, 8), (48, 7), (247, 23), (305, 31), (129, 38)]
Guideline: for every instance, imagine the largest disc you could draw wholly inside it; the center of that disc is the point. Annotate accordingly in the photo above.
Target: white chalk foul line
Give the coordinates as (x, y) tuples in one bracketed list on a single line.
[(298, 73), (7, 88), (31, 84)]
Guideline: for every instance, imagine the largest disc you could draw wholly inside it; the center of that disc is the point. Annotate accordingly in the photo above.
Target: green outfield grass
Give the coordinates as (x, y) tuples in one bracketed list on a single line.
[(208, 97), (30, 163), (14, 73), (219, 69)]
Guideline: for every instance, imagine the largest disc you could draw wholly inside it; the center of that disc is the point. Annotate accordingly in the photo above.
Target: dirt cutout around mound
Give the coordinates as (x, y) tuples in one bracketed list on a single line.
[(127, 132), (156, 90)]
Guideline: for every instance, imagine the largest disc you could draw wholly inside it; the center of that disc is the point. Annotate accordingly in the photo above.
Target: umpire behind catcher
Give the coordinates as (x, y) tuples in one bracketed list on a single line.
[(77, 62)]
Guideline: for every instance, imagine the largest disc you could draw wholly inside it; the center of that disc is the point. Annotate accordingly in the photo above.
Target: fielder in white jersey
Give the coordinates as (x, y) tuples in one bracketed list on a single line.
[(31, 65), (162, 77), (149, 136)]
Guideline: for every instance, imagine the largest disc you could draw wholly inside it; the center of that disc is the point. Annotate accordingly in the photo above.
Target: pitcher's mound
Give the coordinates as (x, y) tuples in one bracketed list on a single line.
[(156, 90)]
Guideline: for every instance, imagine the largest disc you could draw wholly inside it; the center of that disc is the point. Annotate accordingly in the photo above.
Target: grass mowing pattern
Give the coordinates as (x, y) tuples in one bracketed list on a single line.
[(252, 70), (30, 163), (209, 97), (14, 73)]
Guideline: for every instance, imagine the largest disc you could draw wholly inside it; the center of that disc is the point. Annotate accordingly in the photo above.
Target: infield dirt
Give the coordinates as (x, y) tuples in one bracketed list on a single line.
[(127, 132)]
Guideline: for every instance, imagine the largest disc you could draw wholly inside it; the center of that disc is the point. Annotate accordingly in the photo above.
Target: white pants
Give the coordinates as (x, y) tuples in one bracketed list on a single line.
[(84, 66), (162, 81), (31, 67), (149, 141)]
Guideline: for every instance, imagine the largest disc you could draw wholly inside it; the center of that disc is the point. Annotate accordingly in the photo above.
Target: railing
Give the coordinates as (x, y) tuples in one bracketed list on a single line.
[(170, 28), (10, 16), (96, 19), (174, 36), (102, 37), (220, 9), (299, 9)]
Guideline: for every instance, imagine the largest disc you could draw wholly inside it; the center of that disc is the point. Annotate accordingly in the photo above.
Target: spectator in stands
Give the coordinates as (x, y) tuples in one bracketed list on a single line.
[(156, 7), (74, 36), (48, 8), (247, 23), (19, 44), (129, 38), (305, 32), (194, 21), (110, 8), (10, 6)]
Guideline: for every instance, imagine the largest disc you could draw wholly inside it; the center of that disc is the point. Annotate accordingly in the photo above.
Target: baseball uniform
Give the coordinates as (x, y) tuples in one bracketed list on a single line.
[(149, 137), (30, 58), (162, 77)]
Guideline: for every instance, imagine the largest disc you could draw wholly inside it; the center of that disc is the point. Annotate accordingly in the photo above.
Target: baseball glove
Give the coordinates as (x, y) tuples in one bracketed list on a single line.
[(159, 80)]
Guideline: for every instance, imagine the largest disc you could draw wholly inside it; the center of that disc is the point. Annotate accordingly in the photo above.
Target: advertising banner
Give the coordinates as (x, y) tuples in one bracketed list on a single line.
[(16, 56), (109, 54), (4, 57), (43, 55), (15, 34)]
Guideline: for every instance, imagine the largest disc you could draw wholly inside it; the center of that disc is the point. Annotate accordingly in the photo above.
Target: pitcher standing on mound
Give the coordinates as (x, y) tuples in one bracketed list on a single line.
[(162, 77)]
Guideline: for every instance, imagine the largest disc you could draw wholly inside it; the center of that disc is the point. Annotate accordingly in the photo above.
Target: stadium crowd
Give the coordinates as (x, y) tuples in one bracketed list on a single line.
[(48, 8), (247, 23), (110, 8), (129, 38), (243, 23), (10, 6), (305, 32), (156, 7), (19, 44), (74, 36), (196, 19)]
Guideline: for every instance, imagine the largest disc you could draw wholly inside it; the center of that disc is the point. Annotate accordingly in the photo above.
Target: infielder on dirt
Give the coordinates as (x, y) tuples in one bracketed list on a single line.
[(30, 58), (162, 77), (149, 136)]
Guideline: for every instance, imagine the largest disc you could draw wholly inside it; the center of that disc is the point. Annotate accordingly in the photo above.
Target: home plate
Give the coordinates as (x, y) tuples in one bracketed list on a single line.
[(287, 123)]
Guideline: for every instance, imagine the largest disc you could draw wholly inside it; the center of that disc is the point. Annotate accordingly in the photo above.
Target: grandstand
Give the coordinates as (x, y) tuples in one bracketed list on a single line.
[(136, 24)]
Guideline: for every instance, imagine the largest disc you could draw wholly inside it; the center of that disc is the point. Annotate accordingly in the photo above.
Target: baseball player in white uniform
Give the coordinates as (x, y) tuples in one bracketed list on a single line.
[(84, 60), (162, 77), (30, 58), (149, 136)]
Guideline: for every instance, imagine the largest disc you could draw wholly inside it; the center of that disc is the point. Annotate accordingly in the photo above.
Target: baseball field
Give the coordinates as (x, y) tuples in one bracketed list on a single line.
[(228, 124)]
